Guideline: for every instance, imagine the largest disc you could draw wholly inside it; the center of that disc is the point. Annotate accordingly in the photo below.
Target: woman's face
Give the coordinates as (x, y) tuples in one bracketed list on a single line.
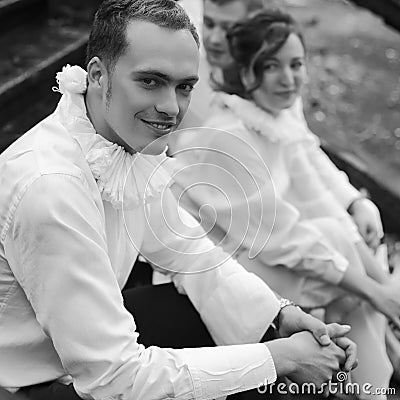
[(284, 74)]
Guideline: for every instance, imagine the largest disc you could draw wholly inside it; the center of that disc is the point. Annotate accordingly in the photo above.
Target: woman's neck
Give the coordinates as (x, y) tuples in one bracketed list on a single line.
[(273, 112)]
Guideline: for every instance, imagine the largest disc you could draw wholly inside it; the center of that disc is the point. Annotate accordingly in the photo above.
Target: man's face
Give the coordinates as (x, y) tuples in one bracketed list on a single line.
[(150, 86), (217, 21)]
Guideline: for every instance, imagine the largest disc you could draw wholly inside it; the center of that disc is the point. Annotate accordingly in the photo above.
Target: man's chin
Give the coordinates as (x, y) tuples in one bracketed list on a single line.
[(156, 147), (218, 62)]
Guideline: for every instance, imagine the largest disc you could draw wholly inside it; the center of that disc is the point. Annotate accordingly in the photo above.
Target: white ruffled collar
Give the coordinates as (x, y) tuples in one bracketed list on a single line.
[(280, 128), (123, 179)]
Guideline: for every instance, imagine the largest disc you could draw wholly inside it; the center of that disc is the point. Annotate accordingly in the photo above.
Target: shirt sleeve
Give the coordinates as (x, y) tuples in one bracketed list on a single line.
[(242, 201), (311, 171), (56, 247), (236, 306), (336, 180)]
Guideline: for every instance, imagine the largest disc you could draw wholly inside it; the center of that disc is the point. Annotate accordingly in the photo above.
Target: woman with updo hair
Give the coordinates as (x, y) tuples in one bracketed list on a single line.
[(322, 246), (249, 47)]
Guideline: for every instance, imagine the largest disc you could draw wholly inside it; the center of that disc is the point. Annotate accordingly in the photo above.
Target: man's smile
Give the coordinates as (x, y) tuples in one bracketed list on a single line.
[(160, 127)]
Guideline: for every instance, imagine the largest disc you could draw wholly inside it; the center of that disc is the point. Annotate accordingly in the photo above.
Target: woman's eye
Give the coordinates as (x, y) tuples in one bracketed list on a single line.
[(297, 65), (270, 67)]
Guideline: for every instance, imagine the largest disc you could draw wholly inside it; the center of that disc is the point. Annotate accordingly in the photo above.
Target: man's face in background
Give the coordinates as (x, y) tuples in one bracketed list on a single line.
[(219, 17), (217, 21)]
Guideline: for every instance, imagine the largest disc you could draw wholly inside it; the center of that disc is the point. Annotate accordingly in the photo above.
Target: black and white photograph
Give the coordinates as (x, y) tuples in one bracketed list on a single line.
[(199, 199)]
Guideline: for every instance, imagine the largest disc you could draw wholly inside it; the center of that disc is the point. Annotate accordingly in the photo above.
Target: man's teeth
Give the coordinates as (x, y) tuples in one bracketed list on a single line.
[(160, 126)]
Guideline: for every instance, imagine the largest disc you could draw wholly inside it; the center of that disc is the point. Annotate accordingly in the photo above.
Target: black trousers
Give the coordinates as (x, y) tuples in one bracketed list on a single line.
[(164, 318)]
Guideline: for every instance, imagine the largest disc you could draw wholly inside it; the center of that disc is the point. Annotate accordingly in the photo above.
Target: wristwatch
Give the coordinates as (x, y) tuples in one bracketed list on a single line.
[(282, 304)]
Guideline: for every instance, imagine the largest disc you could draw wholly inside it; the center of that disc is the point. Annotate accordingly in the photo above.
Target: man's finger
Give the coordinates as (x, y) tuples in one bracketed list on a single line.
[(350, 349), (340, 353), (336, 330), (318, 329)]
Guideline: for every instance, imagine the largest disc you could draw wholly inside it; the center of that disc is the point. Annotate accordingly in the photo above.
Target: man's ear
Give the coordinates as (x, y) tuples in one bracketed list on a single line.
[(97, 74)]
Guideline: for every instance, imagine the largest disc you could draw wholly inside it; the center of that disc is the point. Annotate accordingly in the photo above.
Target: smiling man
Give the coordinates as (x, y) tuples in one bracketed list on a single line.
[(147, 91), (81, 199)]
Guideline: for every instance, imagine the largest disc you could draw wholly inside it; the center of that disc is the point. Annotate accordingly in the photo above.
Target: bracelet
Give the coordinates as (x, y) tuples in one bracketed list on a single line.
[(282, 304)]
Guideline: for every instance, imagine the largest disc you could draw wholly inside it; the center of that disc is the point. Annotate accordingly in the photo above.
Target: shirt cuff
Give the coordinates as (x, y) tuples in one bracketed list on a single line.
[(226, 370), (332, 270)]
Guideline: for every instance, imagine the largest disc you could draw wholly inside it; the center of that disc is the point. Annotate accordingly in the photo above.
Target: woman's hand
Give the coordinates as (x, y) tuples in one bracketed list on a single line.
[(367, 218)]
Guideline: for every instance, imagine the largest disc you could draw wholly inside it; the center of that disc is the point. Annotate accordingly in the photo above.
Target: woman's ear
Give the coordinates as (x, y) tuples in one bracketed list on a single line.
[(97, 74)]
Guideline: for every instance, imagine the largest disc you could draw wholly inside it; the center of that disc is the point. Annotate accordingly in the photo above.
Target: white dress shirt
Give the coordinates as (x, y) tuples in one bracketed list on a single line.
[(67, 245)]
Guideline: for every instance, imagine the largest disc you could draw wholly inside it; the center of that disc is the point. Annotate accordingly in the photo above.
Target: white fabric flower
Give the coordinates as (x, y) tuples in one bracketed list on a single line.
[(71, 79), (125, 180)]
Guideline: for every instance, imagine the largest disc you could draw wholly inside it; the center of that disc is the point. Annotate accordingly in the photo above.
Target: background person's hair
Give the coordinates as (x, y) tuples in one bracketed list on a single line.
[(252, 5), (257, 38), (108, 34)]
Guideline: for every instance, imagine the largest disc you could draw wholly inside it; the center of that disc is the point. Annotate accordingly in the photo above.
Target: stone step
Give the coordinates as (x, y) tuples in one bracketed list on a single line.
[(33, 53), (380, 181), (16, 12), (389, 10)]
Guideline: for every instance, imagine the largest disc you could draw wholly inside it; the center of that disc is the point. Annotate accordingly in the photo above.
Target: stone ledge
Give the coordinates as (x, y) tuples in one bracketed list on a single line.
[(25, 93), (389, 10), (76, 9), (14, 12), (381, 182)]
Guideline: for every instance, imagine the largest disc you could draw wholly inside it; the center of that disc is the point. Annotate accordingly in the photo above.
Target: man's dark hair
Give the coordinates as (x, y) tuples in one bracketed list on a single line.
[(252, 5), (108, 35)]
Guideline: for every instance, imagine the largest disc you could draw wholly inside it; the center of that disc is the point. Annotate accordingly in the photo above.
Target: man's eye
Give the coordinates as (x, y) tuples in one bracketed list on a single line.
[(186, 87), (149, 82), (208, 23), (227, 27)]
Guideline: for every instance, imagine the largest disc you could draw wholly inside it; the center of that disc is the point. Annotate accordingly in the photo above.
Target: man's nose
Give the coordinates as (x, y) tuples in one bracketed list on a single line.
[(217, 35), (168, 103)]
